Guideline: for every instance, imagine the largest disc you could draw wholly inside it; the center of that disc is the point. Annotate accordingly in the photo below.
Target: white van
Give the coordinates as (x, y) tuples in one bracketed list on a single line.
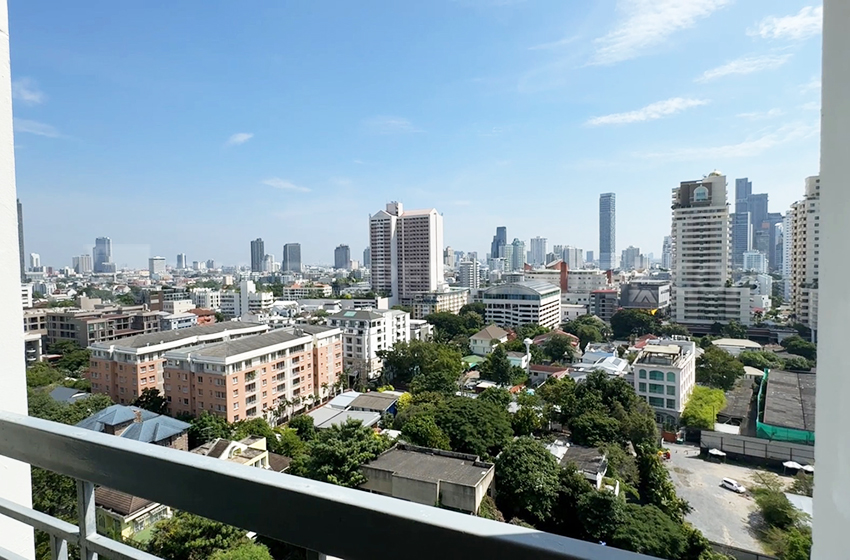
[(733, 485)]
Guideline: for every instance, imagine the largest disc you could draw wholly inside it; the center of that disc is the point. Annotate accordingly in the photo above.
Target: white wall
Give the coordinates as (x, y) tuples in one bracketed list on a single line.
[(14, 476)]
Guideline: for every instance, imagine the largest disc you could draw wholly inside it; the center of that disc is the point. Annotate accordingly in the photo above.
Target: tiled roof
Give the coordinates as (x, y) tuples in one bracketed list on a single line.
[(490, 332), (119, 502), (145, 426)]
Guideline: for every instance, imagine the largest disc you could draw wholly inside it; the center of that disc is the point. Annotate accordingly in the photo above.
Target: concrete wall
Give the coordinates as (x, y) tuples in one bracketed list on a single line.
[(378, 481), (421, 492), (758, 448), (458, 496)]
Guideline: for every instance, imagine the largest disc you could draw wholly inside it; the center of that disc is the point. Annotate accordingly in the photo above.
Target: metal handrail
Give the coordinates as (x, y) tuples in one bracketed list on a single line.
[(337, 521)]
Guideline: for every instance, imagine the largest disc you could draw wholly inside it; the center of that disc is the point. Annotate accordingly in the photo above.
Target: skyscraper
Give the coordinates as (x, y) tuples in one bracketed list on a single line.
[(702, 256), (630, 259), (518, 255), (21, 241), (742, 237), (589, 258), (342, 257), (182, 264), (448, 257), (805, 254), (82, 264), (538, 251), (102, 255), (667, 252), (156, 266), (607, 230), (210, 264), (573, 256), (291, 258), (367, 257), (743, 190), (406, 251), (35, 262), (497, 247), (469, 276), (258, 253)]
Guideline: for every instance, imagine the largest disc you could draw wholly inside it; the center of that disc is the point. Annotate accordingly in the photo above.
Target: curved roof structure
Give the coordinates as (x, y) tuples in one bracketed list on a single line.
[(526, 287)]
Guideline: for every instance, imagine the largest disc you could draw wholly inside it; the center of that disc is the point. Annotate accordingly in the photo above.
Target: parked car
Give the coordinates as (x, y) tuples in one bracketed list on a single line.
[(732, 485)]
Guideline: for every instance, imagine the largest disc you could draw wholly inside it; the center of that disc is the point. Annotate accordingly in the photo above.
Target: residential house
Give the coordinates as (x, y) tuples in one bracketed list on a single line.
[(484, 341), (119, 514), (131, 422)]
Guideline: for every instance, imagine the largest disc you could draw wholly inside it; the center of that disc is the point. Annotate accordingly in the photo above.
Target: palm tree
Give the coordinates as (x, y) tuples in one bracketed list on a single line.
[(324, 391)]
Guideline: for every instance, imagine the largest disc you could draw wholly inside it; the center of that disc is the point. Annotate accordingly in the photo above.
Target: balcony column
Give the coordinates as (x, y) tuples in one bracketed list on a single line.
[(14, 476), (832, 490)]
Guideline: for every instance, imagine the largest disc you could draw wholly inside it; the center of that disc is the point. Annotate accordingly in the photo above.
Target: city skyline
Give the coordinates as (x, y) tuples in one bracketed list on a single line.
[(516, 103)]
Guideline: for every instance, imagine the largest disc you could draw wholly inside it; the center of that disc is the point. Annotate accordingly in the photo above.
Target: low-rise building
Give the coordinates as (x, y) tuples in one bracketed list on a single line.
[(177, 321), (645, 294), (365, 333), (204, 316), (604, 303), (382, 403), (665, 375), (423, 304), (735, 346), (429, 476), (484, 341), (420, 329), (521, 303), (138, 424), (87, 327), (306, 290), (119, 514), (235, 303), (206, 298), (250, 451)]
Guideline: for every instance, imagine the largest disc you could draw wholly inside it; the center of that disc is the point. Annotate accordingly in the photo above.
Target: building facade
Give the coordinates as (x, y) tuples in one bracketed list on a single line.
[(469, 274), (423, 304), (665, 375), (206, 298), (291, 258), (102, 256), (607, 231), (805, 254), (156, 266), (538, 251), (645, 294), (497, 247), (342, 257), (702, 256), (604, 303), (521, 303), (258, 255), (364, 334)]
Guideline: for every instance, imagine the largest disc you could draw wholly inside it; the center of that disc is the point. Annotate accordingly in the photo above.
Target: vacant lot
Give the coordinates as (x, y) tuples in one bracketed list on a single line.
[(722, 515)]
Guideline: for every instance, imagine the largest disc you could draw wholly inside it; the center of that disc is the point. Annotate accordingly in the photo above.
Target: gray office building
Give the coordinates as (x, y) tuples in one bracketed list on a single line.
[(258, 254), (742, 237), (102, 255), (607, 231), (497, 247), (342, 257), (291, 258), (367, 257)]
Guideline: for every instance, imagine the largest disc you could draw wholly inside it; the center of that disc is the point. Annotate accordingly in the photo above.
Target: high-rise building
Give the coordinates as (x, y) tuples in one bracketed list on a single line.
[(35, 262), (367, 257), (258, 253), (210, 264), (469, 274), (805, 255), (755, 261), (497, 247), (342, 257), (21, 241), (630, 259), (742, 237), (102, 255), (573, 256), (607, 230), (407, 250), (589, 258), (787, 254), (291, 258), (269, 264), (518, 255), (538, 251), (774, 250), (743, 190), (182, 263), (702, 256), (82, 264), (156, 266), (667, 253), (508, 259), (448, 257)]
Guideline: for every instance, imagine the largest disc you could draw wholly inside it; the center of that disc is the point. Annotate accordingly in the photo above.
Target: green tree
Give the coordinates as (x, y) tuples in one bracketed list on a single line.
[(207, 427), (526, 480), (530, 330), (559, 348), (191, 537), (219, 317), (798, 363), (734, 329), (126, 299), (601, 513), (151, 400), (761, 360), (257, 427), (407, 359), (673, 329), (588, 328), (478, 308), (655, 487), (247, 551), (304, 426), (702, 408), (800, 347), (526, 420), (594, 429), (497, 368), (633, 322), (718, 369), (41, 374), (423, 430), (73, 357), (479, 428), (647, 530), (289, 444), (448, 326), (444, 382), (517, 345), (496, 395), (565, 519), (804, 484), (336, 453)]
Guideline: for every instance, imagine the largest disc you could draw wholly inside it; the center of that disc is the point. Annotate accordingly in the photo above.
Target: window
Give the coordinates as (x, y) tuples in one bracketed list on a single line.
[(671, 390), (235, 393), (656, 375), (657, 402), (671, 377), (671, 403), (235, 380), (643, 374), (656, 388), (236, 406), (200, 379)]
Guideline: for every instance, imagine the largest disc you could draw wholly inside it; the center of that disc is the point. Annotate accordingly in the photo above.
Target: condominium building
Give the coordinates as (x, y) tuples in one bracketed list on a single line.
[(124, 368), (754, 261), (518, 256), (365, 333), (270, 375), (538, 251), (423, 304), (258, 254), (805, 254), (26, 295), (82, 264), (667, 253), (342, 257), (607, 231), (182, 263), (573, 256), (156, 266), (604, 303), (521, 303), (102, 255), (246, 300), (469, 274), (702, 256), (406, 251), (787, 255), (206, 298), (86, 327), (306, 290), (665, 375), (291, 258), (631, 259)]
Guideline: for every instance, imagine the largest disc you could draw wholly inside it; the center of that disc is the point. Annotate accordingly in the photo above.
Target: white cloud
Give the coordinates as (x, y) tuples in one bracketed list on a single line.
[(647, 23), (811, 85), (239, 138), (807, 23), (651, 112), (760, 115), (811, 106), (26, 90), (284, 185), (745, 65), (35, 127), (748, 148), (389, 125), (554, 44)]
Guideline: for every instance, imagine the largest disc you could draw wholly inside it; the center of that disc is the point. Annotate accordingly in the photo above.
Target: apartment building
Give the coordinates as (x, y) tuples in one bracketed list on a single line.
[(665, 375), (520, 303), (327, 357), (86, 327), (206, 298), (26, 295), (123, 368), (268, 375), (702, 251), (235, 303), (177, 321), (365, 333), (805, 254), (306, 291), (604, 303), (423, 304)]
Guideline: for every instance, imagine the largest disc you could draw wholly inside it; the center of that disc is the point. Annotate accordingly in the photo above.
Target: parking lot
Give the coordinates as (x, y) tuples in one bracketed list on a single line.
[(722, 515)]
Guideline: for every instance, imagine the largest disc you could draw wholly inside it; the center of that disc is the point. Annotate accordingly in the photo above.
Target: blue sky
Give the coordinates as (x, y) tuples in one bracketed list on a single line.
[(196, 126)]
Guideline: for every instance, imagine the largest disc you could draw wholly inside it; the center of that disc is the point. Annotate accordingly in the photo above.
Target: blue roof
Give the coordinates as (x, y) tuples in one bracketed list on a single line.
[(151, 429), (68, 395)]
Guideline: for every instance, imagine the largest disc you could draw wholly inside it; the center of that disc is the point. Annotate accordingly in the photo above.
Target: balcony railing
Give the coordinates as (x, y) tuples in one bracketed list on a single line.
[(342, 522)]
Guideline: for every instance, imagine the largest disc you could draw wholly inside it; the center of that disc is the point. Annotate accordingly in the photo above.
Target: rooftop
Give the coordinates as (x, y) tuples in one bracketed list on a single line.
[(530, 287), (790, 400), (357, 315), (739, 342), (143, 340), (119, 502), (367, 417), (432, 465), (490, 332), (145, 426), (230, 348), (379, 402)]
